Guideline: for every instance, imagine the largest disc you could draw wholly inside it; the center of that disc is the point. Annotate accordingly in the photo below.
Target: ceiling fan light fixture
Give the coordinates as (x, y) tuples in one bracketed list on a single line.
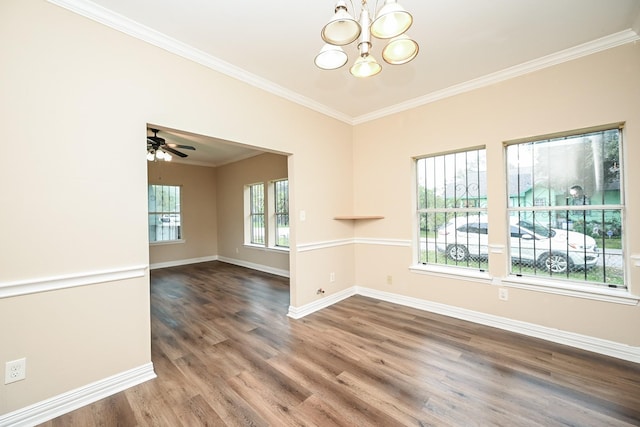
[(331, 57), (342, 28), (400, 50), (391, 20), (150, 155), (159, 155)]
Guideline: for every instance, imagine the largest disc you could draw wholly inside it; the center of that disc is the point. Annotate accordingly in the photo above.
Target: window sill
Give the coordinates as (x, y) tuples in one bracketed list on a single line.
[(278, 249), (451, 272), (618, 296), (167, 242)]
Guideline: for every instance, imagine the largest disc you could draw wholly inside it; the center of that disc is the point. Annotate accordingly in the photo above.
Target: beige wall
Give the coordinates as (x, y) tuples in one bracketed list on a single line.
[(600, 89), (233, 178), (76, 98), (199, 215), (74, 90)]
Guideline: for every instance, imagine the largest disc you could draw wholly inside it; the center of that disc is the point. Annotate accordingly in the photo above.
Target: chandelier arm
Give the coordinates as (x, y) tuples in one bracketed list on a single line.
[(353, 8)]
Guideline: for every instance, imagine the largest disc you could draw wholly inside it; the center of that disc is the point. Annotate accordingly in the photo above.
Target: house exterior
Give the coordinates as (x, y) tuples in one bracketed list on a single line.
[(74, 254)]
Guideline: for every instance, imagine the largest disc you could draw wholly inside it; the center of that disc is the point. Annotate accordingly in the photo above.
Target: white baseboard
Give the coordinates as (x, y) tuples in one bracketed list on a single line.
[(583, 342), (253, 266), (305, 310), (74, 399), (180, 262), (238, 262)]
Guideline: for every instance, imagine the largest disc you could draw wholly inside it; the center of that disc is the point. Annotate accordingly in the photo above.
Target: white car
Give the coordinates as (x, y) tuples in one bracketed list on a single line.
[(554, 249), (170, 220)]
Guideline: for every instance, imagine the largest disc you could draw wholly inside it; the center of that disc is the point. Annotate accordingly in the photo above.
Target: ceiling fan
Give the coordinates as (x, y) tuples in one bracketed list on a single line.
[(155, 143)]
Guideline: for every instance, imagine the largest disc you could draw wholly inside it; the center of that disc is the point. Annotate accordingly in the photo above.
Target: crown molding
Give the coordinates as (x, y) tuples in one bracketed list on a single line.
[(607, 42), (132, 28)]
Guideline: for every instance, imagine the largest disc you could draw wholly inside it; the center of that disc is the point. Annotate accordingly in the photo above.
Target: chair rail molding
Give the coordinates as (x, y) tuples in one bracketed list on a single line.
[(36, 285)]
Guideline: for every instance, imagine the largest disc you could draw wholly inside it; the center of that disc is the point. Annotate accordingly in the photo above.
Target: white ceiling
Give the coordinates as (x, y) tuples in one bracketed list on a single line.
[(463, 44), (209, 151)]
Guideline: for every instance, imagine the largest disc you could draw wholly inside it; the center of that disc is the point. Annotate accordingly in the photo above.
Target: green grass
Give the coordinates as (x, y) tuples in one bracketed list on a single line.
[(614, 243)]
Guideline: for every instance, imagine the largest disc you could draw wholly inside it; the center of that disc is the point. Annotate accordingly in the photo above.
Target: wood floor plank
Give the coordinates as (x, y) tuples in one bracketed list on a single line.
[(226, 354)]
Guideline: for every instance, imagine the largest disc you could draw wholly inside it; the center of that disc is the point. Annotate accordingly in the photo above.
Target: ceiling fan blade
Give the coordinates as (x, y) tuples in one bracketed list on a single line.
[(171, 150), (184, 147), (155, 140)]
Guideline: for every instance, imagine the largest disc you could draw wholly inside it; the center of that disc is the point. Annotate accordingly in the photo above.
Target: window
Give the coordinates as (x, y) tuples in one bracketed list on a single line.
[(565, 208), (164, 213), (256, 214), (452, 200), (281, 212)]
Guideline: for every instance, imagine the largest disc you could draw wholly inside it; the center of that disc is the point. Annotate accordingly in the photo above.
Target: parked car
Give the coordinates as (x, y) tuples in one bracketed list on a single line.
[(554, 249), (172, 220)]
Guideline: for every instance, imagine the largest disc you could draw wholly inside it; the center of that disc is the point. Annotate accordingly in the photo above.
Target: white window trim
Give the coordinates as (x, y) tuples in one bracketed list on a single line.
[(247, 216), (271, 209), (567, 287), (571, 289), (168, 242), (452, 272), (578, 290), (446, 270), (278, 249)]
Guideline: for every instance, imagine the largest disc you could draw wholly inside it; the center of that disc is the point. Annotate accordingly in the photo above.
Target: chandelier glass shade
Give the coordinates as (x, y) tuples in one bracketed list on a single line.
[(331, 57), (342, 29), (400, 50), (158, 154), (391, 22), (365, 66)]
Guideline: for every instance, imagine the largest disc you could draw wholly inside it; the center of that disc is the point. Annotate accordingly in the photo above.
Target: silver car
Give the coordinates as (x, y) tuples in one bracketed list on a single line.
[(556, 250)]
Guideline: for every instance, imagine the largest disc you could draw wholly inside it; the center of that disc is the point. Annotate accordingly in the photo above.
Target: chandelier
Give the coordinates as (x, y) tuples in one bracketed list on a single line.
[(391, 22)]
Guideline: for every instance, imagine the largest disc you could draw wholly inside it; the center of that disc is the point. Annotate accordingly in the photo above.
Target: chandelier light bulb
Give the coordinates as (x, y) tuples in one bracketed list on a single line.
[(342, 28), (365, 66), (391, 21), (400, 50), (331, 57)]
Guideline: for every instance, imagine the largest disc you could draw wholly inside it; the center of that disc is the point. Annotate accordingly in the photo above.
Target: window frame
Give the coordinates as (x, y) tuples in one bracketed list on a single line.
[(470, 208), (162, 213), (276, 216), (571, 284), (254, 213)]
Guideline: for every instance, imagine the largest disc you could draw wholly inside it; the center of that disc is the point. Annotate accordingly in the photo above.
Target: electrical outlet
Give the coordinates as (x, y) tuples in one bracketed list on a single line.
[(15, 370), (503, 294), (332, 277)]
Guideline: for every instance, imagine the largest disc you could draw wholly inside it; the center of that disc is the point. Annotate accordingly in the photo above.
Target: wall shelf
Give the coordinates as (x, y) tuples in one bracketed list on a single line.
[(343, 217)]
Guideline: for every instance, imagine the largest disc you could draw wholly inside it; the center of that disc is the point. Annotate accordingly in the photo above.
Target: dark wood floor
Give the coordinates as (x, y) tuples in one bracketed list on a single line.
[(226, 354)]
